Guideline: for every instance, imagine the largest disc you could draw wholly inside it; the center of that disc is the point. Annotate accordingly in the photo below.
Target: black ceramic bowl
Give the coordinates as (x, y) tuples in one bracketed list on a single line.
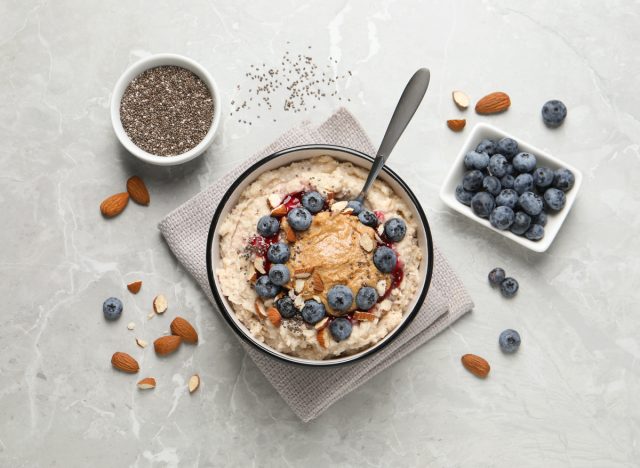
[(282, 158)]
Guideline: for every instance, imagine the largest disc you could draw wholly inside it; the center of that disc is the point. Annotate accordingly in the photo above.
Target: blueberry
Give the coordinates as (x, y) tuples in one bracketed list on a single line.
[(555, 199), (313, 311), (492, 185), (496, 276), (509, 287), (524, 162), (268, 226), (508, 147), (340, 329), (340, 297), (535, 232), (356, 206), (563, 179), (498, 165), (541, 219), (510, 169), (112, 308), (366, 298), (384, 259), (472, 180), (475, 160), (523, 183), (554, 113), (507, 181), (279, 274), (463, 196), (543, 177), (286, 307), (395, 229), (482, 204), (509, 341), (501, 217), (265, 288), (278, 253), (368, 218), (531, 203), (486, 146), (508, 197), (299, 219), (313, 201), (521, 223)]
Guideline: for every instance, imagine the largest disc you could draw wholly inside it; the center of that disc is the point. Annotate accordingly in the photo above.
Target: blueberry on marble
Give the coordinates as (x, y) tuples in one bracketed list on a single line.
[(313, 201), (472, 180), (286, 307), (502, 217), (313, 311), (340, 329), (368, 218), (266, 288), (555, 199), (395, 229), (540, 219), (521, 223), (299, 218), (385, 259), (507, 197), (486, 146), (279, 274), (543, 177), (268, 226), (112, 308), (531, 203), (508, 147), (463, 196), (340, 297), (507, 181), (563, 179), (492, 185), (524, 162), (498, 165), (278, 253), (476, 160), (554, 113), (482, 204), (523, 183), (366, 298), (356, 206), (535, 232), (509, 287), (509, 341), (496, 276)]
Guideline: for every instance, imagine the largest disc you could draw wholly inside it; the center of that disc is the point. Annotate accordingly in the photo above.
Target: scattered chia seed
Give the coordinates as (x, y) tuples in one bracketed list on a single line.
[(166, 110)]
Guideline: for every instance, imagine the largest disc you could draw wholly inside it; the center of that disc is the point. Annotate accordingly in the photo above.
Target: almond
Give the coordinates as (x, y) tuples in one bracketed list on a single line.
[(134, 287), (160, 304), (322, 324), (137, 190), (289, 233), (279, 211), (258, 264), (140, 342), (493, 103), (385, 305), (381, 287), (298, 286), (274, 200), (461, 99), (316, 282), (476, 365), (322, 339), (182, 328), (147, 383), (274, 316), (456, 125), (260, 310), (167, 344), (114, 205), (337, 207), (366, 242), (298, 302), (302, 273), (364, 316), (124, 363), (194, 383), (131, 326)]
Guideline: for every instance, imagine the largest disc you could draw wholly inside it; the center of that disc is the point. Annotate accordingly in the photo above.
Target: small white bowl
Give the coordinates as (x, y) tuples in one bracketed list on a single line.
[(153, 61), (554, 221)]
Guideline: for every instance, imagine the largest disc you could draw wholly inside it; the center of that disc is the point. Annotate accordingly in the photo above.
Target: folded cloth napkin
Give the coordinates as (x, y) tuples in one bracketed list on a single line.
[(310, 391)]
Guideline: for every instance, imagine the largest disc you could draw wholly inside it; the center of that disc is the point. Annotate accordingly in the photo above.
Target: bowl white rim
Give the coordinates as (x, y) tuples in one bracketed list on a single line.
[(152, 61)]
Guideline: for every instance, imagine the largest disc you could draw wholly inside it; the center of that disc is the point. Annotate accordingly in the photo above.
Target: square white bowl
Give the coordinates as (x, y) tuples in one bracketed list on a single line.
[(454, 178)]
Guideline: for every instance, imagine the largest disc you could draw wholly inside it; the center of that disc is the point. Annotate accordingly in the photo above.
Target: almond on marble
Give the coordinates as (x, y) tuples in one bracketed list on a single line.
[(160, 304), (194, 383)]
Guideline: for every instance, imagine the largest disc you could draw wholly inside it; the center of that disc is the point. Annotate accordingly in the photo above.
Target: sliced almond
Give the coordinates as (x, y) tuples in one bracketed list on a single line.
[(131, 326), (279, 211), (461, 99), (302, 273), (289, 233), (254, 277), (316, 282), (322, 339), (380, 229), (134, 287), (385, 305), (274, 316), (330, 197), (378, 238), (147, 383), (140, 342), (298, 302), (347, 211), (298, 286), (366, 242), (322, 324), (160, 304), (381, 287), (292, 294), (364, 316), (337, 207), (260, 309), (194, 383), (274, 200), (317, 299), (258, 264)]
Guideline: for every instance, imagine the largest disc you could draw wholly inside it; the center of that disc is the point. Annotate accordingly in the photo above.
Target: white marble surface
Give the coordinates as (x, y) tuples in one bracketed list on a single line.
[(568, 398)]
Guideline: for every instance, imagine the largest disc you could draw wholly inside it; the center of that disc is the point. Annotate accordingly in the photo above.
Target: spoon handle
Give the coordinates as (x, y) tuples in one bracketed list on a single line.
[(407, 106)]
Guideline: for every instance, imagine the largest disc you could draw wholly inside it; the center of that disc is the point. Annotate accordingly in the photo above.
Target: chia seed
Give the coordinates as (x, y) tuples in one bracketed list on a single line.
[(166, 110)]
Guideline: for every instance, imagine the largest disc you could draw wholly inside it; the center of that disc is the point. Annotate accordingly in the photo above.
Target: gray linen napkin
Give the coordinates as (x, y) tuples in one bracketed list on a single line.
[(310, 391)]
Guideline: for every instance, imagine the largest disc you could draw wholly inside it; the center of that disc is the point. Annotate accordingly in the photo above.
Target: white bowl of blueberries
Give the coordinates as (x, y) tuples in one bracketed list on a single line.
[(511, 187)]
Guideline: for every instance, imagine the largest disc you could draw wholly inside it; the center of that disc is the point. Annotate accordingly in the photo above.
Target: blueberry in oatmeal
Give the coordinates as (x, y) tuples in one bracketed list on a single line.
[(266, 288), (279, 274), (384, 259), (340, 329), (299, 219), (395, 229), (366, 298), (278, 253), (313, 201), (268, 226)]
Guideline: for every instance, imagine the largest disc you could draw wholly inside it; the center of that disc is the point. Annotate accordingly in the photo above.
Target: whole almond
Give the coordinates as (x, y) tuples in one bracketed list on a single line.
[(461, 99), (147, 383), (167, 344), (124, 363), (493, 103), (476, 365), (134, 287), (456, 125), (138, 190), (114, 205), (182, 328)]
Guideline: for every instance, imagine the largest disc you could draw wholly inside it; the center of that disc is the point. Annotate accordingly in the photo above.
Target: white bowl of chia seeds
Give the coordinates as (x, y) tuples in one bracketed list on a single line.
[(165, 109)]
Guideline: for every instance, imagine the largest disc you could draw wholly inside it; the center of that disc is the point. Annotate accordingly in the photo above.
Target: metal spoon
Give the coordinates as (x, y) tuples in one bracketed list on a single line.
[(407, 106)]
